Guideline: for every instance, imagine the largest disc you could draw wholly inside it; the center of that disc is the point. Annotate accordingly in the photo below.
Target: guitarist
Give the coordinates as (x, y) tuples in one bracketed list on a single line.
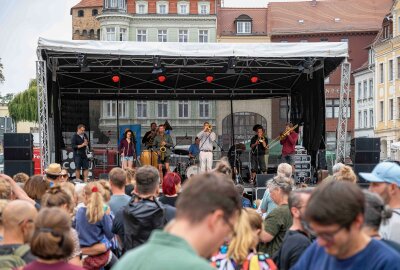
[(259, 146)]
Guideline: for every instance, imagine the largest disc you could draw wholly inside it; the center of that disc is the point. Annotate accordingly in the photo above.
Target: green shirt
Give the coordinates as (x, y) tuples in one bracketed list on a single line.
[(276, 224), (163, 251)]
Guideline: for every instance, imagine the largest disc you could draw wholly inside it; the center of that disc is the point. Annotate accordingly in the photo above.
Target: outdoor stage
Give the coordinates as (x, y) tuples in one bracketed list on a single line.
[(71, 74)]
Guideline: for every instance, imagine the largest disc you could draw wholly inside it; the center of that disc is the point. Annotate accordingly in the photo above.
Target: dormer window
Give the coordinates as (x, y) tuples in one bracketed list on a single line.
[(162, 7), (141, 7), (243, 24), (183, 8), (204, 8), (81, 13), (115, 5)]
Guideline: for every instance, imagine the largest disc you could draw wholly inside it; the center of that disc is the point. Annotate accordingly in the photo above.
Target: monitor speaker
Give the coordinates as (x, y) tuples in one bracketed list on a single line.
[(365, 144), (365, 157), (12, 167), (261, 179), (18, 140), (18, 153)]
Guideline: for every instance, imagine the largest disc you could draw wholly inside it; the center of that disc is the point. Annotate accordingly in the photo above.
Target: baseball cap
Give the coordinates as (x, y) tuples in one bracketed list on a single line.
[(384, 172)]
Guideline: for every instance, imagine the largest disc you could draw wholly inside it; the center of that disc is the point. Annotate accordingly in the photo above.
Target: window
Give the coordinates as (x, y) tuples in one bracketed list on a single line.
[(391, 109), (344, 40), (332, 108), (283, 109), (359, 120), (365, 119), (204, 109), (243, 27), (141, 7), (371, 118), (81, 13), (204, 8), (95, 12), (141, 109), (162, 109), (183, 8), (203, 36), (381, 111), (183, 108), (110, 34), (141, 35), (365, 89), (183, 36), (110, 109), (390, 70), (359, 90), (371, 88), (122, 34), (115, 4), (381, 75), (162, 7), (324, 39), (162, 35), (303, 40)]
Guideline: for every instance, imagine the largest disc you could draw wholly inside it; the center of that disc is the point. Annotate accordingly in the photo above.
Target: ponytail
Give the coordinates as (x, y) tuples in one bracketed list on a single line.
[(95, 202)]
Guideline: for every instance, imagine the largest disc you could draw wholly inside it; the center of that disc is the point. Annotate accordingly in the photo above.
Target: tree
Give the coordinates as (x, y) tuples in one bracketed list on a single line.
[(1, 72), (23, 107), (7, 98)]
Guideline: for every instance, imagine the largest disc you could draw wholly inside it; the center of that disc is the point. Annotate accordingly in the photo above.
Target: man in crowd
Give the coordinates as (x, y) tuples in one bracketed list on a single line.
[(53, 174), (118, 199), (134, 222), (207, 138), (148, 138), (196, 232), (80, 144), (335, 215), (296, 239), (18, 217), (385, 181)]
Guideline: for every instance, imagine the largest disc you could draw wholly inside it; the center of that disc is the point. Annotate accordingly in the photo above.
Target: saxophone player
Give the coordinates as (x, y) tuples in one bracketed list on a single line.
[(259, 147), (163, 143)]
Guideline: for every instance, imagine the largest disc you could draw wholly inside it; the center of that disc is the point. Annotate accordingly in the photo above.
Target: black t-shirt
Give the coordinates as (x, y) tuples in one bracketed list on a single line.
[(168, 200), (293, 246), (260, 146), (78, 140), (128, 189)]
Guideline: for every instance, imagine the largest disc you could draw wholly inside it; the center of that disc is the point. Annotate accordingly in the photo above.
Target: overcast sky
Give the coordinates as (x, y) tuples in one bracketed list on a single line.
[(22, 22)]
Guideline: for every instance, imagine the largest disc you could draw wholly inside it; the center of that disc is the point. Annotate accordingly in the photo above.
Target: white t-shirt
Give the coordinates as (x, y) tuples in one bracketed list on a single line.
[(391, 230)]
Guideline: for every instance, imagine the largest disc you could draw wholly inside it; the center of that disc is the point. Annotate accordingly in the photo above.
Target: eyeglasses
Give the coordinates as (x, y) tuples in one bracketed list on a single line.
[(328, 237), (64, 175), (231, 227)]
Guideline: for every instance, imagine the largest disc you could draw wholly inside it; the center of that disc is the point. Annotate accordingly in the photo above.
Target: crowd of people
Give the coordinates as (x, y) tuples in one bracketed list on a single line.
[(136, 220)]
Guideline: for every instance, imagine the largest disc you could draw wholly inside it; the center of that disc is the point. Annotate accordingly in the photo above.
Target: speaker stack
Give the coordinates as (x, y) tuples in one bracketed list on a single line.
[(365, 154), (18, 153)]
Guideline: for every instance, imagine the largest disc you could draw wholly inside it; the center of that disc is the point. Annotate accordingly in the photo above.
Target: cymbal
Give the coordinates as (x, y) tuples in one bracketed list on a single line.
[(181, 152)]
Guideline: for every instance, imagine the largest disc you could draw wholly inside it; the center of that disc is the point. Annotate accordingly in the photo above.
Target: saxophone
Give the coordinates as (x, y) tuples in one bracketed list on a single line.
[(163, 149)]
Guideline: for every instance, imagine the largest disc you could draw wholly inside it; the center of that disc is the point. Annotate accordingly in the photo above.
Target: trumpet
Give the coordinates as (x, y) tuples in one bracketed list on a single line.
[(261, 139), (209, 128), (282, 136)]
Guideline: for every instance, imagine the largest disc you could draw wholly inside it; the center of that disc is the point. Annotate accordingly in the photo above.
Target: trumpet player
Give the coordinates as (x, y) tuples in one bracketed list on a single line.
[(163, 143), (207, 137), (259, 147), (288, 140)]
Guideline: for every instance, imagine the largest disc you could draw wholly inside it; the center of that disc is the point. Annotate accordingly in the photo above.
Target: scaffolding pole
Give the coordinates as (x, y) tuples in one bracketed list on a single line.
[(343, 112), (42, 113)]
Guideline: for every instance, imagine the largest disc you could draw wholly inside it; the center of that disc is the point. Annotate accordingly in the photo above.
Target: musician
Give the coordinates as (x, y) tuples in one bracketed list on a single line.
[(127, 149), (80, 146), (259, 146), (288, 140), (148, 138), (163, 140), (194, 150), (207, 137)]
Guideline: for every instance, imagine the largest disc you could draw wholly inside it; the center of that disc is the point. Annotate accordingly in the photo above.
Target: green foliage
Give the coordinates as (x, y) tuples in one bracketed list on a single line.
[(7, 98), (23, 107), (2, 79)]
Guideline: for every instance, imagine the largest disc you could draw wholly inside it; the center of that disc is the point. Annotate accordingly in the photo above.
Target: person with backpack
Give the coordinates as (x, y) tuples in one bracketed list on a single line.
[(18, 217), (144, 213)]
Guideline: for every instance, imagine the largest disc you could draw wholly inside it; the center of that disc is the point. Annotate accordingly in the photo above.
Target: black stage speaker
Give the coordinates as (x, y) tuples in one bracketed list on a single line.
[(365, 145), (258, 193), (365, 157), (261, 179), (366, 168), (18, 146), (12, 167)]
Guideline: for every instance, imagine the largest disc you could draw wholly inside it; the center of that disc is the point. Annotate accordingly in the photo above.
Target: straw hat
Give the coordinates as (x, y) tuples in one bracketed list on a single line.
[(53, 169)]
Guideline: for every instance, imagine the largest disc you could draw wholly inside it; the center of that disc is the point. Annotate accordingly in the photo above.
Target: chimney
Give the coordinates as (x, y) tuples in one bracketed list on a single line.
[(313, 3)]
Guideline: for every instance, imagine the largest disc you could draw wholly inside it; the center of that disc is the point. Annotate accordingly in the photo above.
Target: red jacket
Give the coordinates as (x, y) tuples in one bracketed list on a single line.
[(289, 143)]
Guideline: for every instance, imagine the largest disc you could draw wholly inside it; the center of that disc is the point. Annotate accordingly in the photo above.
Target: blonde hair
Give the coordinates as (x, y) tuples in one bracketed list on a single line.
[(94, 202), (130, 176), (248, 222), (346, 173), (106, 190)]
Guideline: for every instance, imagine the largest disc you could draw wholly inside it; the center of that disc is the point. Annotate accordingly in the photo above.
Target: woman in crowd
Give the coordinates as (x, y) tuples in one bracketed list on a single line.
[(51, 242), (64, 175), (127, 150), (36, 187), (346, 173), (376, 212), (93, 223), (241, 254), (57, 197), (171, 186)]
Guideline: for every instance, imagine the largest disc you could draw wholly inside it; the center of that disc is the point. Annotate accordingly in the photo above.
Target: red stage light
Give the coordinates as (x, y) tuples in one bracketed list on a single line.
[(115, 78), (161, 78), (254, 79), (209, 78)]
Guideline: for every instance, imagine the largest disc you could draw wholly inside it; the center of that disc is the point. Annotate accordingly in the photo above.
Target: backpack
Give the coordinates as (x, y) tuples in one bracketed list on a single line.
[(14, 259)]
